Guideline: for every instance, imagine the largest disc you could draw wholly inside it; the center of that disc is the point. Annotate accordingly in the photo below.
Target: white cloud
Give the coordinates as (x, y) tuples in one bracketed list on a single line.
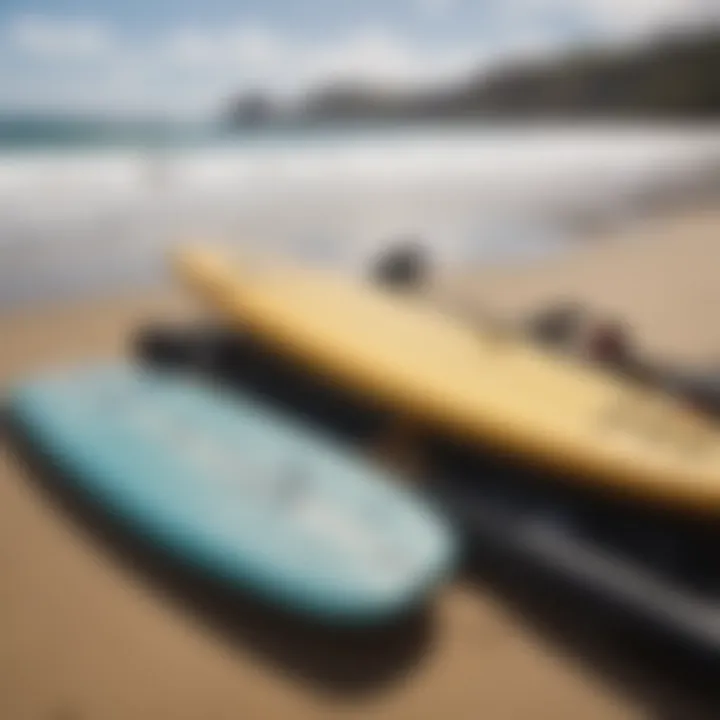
[(89, 65), (436, 9), (50, 37), (379, 55), (615, 20), (191, 47), (192, 69), (645, 16), (257, 55)]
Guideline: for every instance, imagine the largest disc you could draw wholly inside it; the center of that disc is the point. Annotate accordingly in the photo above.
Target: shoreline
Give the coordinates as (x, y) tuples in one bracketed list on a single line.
[(91, 222)]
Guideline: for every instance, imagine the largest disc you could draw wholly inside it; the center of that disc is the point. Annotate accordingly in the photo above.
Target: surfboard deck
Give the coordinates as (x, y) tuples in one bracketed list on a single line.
[(237, 491), (484, 387)]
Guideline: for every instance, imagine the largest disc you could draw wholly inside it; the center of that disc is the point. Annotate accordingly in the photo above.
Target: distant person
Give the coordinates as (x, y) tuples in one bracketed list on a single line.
[(608, 343), (570, 327), (405, 265), (558, 325)]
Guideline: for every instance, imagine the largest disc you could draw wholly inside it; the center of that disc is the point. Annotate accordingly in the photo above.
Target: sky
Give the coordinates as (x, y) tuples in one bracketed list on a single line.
[(185, 57)]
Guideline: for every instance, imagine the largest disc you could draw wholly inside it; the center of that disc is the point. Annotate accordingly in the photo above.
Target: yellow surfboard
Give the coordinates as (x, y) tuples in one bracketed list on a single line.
[(486, 387)]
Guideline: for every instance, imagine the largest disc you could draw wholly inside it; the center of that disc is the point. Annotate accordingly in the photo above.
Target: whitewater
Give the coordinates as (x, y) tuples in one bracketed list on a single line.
[(80, 219)]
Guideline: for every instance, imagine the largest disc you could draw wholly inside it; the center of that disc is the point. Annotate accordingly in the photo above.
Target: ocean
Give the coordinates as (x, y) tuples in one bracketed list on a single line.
[(88, 208)]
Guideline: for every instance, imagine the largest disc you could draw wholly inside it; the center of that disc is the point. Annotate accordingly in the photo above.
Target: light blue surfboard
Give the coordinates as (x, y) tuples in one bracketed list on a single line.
[(228, 485)]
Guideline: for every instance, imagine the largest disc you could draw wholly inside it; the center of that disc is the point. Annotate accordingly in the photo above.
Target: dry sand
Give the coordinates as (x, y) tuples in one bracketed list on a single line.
[(660, 275), (85, 635)]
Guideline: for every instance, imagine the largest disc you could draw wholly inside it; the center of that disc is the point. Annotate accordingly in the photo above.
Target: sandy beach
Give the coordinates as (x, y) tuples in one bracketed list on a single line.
[(657, 274), (85, 636)]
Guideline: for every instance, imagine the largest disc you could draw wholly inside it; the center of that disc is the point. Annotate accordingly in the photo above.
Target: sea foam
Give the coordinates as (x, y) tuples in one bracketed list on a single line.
[(79, 219)]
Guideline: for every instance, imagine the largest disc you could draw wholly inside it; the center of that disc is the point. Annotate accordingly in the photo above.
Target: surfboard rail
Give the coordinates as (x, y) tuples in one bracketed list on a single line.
[(591, 427)]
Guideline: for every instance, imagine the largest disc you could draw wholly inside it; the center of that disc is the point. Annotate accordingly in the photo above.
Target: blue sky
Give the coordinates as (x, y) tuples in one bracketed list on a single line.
[(185, 56)]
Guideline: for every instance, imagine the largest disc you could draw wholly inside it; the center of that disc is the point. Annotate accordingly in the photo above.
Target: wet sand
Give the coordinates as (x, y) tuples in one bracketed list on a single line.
[(91, 629)]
